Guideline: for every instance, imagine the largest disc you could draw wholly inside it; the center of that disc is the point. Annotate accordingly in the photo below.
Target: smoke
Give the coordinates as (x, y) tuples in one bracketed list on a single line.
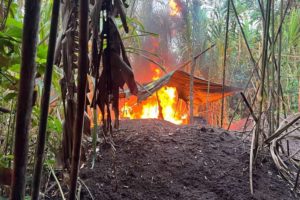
[(163, 49)]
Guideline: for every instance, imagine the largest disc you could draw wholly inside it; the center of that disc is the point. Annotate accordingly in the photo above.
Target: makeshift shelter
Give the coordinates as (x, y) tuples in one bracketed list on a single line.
[(151, 101), (181, 80)]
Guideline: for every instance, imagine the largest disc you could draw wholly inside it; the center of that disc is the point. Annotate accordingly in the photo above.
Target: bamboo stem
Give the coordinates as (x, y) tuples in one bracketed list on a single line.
[(25, 97), (272, 89), (224, 62), (249, 107), (81, 94), (41, 140), (255, 137), (244, 37), (279, 66)]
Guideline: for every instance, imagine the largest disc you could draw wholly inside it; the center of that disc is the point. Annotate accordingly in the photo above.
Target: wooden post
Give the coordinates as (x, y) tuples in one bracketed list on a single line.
[(192, 89), (81, 94), (39, 155), (25, 96)]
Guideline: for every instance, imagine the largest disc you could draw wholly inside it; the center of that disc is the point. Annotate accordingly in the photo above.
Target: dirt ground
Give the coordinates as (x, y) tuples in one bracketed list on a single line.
[(158, 160)]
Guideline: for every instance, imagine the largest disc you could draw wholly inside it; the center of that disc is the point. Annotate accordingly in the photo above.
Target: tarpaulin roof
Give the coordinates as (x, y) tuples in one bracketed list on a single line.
[(181, 80)]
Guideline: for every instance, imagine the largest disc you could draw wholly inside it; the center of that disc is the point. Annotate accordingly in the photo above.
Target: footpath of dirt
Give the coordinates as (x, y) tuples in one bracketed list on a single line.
[(158, 160)]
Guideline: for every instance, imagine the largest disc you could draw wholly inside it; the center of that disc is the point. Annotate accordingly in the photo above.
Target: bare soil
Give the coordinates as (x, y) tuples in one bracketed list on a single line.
[(159, 160)]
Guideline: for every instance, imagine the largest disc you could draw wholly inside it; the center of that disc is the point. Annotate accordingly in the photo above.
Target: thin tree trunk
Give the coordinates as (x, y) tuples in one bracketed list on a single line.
[(25, 97), (45, 103), (224, 62), (81, 94)]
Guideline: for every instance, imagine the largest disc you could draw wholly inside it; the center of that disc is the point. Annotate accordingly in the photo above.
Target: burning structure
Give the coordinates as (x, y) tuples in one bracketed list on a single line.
[(167, 97)]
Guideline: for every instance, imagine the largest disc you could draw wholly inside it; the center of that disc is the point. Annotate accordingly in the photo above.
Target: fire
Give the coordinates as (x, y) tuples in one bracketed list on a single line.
[(163, 101), (167, 97), (163, 104), (126, 110), (175, 8), (157, 74), (150, 111)]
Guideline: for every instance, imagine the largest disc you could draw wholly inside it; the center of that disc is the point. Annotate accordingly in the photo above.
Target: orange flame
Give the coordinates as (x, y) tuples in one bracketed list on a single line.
[(175, 8), (162, 104), (157, 74)]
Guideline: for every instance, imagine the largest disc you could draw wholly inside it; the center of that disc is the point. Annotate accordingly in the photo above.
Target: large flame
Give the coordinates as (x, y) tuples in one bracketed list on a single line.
[(174, 8), (163, 104)]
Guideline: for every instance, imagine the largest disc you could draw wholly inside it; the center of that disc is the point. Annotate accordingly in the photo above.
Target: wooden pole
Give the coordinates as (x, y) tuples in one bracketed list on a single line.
[(25, 96), (81, 94), (192, 90), (207, 96), (224, 62), (39, 155)]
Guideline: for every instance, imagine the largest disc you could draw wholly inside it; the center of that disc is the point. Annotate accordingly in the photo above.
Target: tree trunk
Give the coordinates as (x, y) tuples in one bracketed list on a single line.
[(25, 97)]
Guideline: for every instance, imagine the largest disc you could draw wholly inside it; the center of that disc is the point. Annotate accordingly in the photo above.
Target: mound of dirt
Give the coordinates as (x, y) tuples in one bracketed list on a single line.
[(159, 160)]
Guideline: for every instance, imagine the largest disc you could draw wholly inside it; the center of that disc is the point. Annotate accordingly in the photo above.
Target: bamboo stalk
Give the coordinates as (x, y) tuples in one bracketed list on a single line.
[(297, 179), (245, 89), (193, 66), (255, 137), (244, 37), (272, 89), (249, 107), (25, 97), (81, 94), (41, 140), (279, 66), (281, 130), (224, 62)]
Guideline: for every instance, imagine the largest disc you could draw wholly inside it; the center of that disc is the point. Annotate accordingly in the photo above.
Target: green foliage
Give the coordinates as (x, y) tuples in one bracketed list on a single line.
[(293, 28), (5, 160), (10, 63)]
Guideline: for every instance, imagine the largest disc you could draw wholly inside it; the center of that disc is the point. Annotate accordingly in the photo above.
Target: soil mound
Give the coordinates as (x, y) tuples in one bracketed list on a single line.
[(159, 160)]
